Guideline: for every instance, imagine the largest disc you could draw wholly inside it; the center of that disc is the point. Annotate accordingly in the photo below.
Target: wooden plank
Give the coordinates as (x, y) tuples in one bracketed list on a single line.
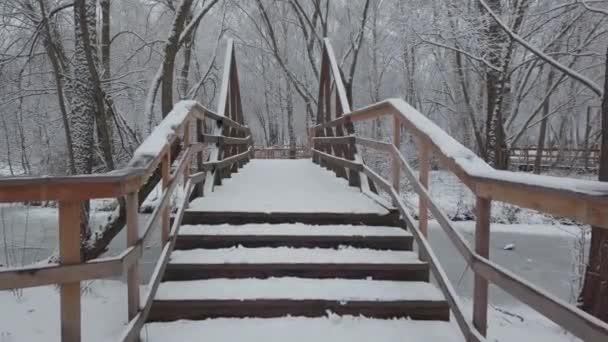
[(69, 254), (227, 162), (57, 274), (395, 163), (171, 310), (132, 240), (482, 248), (425, 168), (22, 189), (397, 243), (222, 140), (342, 140), (397, 272), (351, 165), (374, 144), (166, 179), (585, 208), (316, 218), (335, 70)]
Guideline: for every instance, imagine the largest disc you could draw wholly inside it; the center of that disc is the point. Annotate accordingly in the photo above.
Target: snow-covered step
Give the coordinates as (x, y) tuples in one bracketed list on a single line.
[(264, 262), (277, 297), (301, 329), (293, 235)]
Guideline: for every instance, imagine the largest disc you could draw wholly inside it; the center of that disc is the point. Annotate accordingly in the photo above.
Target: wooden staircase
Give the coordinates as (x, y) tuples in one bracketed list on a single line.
[(234, 264)]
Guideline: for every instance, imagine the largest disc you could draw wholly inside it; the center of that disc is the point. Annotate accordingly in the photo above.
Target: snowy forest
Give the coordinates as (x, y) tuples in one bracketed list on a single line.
[(521, 83)]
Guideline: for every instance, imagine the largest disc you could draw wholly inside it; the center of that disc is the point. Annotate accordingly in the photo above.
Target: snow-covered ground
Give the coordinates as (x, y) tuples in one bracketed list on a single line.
[(31, 315)]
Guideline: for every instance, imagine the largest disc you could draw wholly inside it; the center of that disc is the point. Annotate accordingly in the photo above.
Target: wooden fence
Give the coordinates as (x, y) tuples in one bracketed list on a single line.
[(334, 146), (524, 158), (281, 152), (231, 147)]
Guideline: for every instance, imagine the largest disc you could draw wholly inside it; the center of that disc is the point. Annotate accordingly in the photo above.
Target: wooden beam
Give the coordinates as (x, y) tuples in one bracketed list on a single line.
[(343, 140), (69, 254), (132, 241), (374, 144), (425, 167), (482, 248), (395, 163), (166, 179), (349, 164)]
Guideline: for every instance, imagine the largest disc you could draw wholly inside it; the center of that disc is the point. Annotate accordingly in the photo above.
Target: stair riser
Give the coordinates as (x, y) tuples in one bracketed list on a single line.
[(226, 241), (409, 272), (239, 218), (204, 309)]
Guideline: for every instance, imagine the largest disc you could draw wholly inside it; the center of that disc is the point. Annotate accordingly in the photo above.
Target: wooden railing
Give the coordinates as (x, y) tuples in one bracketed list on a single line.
[(231, 148), (524, 158), (281, 152), (586, 201), (330, 81)]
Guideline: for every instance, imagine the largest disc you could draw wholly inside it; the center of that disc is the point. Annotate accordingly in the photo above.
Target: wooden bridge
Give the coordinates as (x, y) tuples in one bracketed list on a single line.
[(274, 240)]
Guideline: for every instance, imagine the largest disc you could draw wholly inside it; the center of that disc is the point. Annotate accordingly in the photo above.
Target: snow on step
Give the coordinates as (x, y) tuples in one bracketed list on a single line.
[(300, 186), (298, 289), (294, 229), (300, 329), (268, 255)]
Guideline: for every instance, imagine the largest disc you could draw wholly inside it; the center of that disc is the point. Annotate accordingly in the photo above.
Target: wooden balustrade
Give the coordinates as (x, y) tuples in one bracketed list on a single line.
[(583, 200), (586, 201), (231, 146)]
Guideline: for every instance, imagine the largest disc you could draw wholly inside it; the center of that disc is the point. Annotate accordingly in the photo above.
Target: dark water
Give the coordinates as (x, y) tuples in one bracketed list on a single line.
[(544, 260)]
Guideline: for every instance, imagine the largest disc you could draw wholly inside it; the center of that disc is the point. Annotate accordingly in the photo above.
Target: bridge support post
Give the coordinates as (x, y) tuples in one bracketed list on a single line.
[(198, 190), (397, 143), (166, 178), (132, 239), (482, 247), (69, 254), (424, 159)]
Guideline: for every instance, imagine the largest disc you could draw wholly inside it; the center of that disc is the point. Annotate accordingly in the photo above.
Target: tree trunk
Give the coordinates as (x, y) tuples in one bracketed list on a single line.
[(594, 296), (171, 49), (540, 146), (51, 47), (106, 71)]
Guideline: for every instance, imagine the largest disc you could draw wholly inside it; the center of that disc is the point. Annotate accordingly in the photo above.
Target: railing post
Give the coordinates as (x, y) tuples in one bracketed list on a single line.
[(186, 145), (132, 238), (69, 254), (397, 143), (482, 247), (424, 158), (166, 178), (199, 156)]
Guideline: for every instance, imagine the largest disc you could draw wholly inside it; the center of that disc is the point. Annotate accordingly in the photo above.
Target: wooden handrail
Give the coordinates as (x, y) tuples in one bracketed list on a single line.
[(584, 200), (330, 70)]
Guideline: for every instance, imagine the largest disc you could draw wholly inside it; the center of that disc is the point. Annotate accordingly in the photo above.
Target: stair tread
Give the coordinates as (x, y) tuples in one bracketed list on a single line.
[(289, 255), (291, 288), (301, 329), (293, 229)]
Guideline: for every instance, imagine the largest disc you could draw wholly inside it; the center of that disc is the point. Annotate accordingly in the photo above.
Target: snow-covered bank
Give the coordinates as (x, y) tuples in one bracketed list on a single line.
[(32, 314)]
